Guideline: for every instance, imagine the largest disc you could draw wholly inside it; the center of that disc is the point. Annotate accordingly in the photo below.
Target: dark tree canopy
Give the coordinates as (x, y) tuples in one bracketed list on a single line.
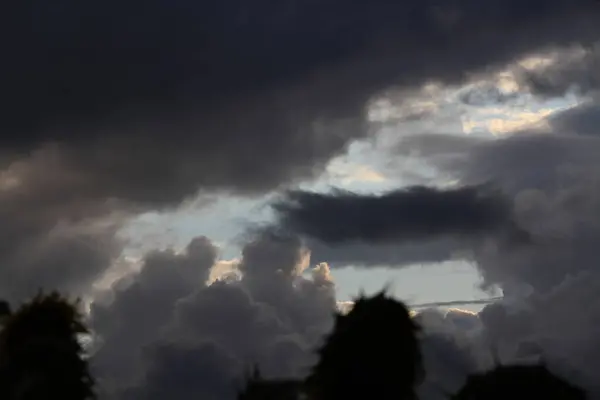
[(40, 352), (373, 352), (518, 382)]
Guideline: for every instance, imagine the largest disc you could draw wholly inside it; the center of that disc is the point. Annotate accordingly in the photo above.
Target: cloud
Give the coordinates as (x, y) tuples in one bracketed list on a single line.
[(583, 119), (53, 238), (574, 70), (117, 109), (195, 339), (451, 350), (403, 215), (351, 173), (551, 178), (361, 254), (510, 121), (486, 94), (133, 313), (166, 93), (198, 339)]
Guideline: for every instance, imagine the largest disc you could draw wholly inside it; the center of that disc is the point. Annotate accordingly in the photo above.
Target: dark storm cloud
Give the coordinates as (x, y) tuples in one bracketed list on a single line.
[(114, 108), (581, 120), (195, 340), (154, 100), (551, 177), (575, 70), (404, 215), (551, 181), (51, 238), (361, 254)]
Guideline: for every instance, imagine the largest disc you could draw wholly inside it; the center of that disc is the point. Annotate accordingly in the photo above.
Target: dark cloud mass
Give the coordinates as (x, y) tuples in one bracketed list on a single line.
[(363, 254), (580, 120), (164, 329), (410, 214), (237, 95), (116, 108), (50, 238), (574, 70), (551, 176)]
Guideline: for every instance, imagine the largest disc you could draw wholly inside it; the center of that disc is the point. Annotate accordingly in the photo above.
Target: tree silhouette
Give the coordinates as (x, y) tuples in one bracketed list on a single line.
[(5, 312), (40, 352), (518, 382), (372, 352)]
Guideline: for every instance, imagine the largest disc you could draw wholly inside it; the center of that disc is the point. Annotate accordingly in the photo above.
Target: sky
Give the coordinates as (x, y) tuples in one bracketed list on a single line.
[(217, 178), (361, 169)]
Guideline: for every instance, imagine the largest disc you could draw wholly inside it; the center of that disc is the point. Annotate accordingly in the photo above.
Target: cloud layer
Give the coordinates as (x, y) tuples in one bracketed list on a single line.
[(237, 96), (119, 108)]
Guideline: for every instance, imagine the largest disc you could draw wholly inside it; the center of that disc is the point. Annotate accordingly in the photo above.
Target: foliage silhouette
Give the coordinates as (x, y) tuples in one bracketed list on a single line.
[(373, 352), (518, 382), (5, 312), (40, 352)]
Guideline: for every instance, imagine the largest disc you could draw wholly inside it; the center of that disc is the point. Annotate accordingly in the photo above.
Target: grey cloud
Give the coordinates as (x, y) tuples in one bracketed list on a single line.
[(52, 238), (552, 178), (581, 120), (574, 70), (553, 328), (199, 340), (134, 313), (403, 215), (204, 371), (360, 254), (451, 350), (550, 181), (115, 108), (147, 104)]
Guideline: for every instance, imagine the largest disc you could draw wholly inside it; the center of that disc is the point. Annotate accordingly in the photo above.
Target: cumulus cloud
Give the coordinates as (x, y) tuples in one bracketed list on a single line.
[(134, 311), (452, 349), (163, 329)]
